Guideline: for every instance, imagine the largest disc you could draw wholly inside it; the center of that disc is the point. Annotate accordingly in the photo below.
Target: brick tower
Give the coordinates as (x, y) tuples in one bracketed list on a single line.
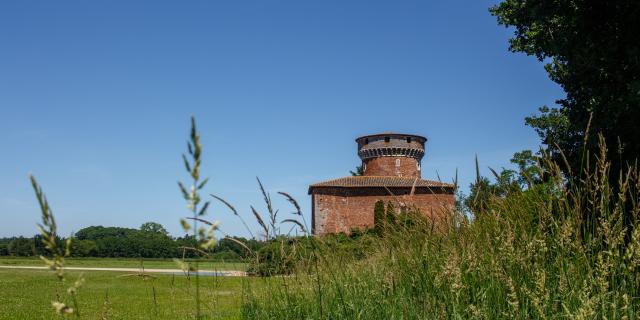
[(391, 154), (392, 173)]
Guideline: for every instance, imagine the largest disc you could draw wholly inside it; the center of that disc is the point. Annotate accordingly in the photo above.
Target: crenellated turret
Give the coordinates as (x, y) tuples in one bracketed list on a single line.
[(391, 154)]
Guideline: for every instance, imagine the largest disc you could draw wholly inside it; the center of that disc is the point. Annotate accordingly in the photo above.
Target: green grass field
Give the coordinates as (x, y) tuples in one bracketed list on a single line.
[(121, 263), (27, 294)]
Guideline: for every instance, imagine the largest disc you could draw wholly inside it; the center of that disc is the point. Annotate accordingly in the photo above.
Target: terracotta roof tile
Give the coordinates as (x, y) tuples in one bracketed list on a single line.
[(380, 181)]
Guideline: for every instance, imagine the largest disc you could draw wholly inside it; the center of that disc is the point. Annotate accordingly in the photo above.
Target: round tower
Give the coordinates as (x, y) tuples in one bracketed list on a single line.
[(391, 154)]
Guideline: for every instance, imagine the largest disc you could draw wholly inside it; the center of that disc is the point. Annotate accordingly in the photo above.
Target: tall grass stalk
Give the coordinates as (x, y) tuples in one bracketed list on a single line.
[(204, 238), (58, 252)]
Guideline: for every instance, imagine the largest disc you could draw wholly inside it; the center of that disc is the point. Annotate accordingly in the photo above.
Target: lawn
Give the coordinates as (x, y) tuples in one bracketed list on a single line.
[(122, 263), (27, 294)]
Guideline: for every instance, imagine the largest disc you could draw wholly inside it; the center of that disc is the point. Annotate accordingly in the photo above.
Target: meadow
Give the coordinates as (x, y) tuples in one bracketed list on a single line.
[(27, 294), (122, 263)]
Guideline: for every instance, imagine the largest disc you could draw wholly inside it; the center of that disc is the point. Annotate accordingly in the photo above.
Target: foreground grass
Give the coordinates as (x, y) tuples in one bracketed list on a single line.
[(27, 294), (546, 252), (122, 263)]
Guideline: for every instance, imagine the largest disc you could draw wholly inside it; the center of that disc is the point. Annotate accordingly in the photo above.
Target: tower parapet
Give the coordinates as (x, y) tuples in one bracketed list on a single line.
[(391, 154)]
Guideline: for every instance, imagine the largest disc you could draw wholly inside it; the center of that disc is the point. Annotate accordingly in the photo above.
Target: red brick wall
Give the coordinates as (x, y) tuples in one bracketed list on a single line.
[(386, 166), (343, 209)]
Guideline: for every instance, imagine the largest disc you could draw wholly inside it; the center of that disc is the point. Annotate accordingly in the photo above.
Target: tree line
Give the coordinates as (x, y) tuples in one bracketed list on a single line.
[(151, 240)]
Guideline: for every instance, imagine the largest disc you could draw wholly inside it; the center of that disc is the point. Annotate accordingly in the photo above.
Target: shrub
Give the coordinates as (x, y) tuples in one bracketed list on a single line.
[(284, 255), (281, 255)]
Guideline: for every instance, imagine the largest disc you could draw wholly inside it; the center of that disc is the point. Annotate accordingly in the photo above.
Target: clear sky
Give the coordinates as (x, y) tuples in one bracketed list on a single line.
[(95, 99)]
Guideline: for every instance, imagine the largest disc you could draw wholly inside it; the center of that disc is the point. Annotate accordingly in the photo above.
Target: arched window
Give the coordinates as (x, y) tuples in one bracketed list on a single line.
[(397, 162)]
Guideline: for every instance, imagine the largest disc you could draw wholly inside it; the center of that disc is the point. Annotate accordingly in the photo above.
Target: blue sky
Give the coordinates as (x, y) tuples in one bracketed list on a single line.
[(95, 99)]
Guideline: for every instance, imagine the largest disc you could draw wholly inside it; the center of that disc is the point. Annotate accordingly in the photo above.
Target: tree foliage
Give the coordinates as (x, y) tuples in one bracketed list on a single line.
[(153, 227), (379, 216), (359, 171), (150, 241), (591, 50), (391, 214), (506, 181)]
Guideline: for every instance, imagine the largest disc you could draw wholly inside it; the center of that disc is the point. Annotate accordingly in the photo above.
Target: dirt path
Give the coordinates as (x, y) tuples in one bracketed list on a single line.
[(223, 273)]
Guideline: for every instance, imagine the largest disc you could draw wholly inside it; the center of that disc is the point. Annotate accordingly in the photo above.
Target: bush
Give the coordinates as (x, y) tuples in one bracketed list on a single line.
[(281, 255)]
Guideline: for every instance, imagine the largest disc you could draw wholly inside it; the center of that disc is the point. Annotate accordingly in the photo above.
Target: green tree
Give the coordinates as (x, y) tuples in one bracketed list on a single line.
[(528, 168), (233, 244), (4, 244), (591, 50), (153, 227), (151, 241), (359, 171), (391, 214), (83, 248), (100, 232), (21, 246), (482, 191)]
